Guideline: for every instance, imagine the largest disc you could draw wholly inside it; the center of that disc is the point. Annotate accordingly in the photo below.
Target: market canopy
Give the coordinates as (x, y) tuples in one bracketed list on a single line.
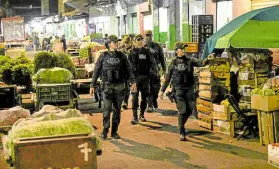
[(256, 29)]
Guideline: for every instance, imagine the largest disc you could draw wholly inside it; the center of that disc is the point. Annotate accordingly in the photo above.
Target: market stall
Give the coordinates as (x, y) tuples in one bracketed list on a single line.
[(246, 41)]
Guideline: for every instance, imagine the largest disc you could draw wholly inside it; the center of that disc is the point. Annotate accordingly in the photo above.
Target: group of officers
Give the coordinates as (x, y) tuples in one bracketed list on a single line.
[(135, 66)]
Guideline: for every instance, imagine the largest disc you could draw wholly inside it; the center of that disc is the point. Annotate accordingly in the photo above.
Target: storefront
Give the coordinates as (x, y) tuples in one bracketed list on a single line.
[(258, 4), (74, 29)]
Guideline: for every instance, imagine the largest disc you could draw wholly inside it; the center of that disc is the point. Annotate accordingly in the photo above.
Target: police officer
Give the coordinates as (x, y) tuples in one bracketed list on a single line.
[(155, 81), (181, 74), (143, 65), (126, 49), (112, 67)]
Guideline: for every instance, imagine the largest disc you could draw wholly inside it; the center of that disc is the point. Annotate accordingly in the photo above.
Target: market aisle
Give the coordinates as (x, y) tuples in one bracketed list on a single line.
[(155, 144)]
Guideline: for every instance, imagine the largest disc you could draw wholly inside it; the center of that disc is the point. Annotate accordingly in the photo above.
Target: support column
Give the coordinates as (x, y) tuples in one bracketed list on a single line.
[(185, 27), (171, 24), (156, 30)]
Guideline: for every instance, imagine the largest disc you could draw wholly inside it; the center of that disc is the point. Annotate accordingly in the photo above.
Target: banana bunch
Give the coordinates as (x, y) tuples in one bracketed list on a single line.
[(220, 68), (264, 92)]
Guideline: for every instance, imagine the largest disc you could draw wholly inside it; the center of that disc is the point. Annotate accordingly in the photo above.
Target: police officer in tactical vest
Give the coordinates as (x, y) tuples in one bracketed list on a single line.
[(181, 74), (114, 69), (127, 46), (143, 66), (155, 81)]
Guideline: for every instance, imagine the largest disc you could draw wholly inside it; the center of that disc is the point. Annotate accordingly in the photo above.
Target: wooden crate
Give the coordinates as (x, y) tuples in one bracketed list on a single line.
[(224, 127), (203, 109), (268, 123), (56, 152), (203, 116), (204, 103), (205, 124), (204, 87), (205, 94)]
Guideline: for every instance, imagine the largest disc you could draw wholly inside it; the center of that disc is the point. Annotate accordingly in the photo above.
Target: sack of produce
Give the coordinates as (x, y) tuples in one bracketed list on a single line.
[(47, 109), (54, 75), (68, 122), (9, 117), (272, 83)]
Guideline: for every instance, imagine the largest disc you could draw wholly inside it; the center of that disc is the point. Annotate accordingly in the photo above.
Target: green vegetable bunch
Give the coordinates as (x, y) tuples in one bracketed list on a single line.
[(45, 60), (6, 64), (64, 61)]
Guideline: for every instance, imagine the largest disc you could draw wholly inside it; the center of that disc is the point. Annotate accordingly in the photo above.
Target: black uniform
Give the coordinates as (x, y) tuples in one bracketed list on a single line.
[(181, 73), (114, 70), (127, 86), (143, 65), (155, 81)]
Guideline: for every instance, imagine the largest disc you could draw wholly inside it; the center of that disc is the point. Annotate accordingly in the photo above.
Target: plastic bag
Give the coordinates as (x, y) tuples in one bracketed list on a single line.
[(9, 117)]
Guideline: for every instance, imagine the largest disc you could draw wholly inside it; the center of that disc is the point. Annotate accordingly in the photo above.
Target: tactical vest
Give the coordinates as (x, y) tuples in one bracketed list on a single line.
[(183, 72), (140, 61), (112, 68)]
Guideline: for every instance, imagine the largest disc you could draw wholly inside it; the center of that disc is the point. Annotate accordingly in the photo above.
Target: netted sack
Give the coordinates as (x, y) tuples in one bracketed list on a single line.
[(47, 109), (54, 75), (69, 126), (9, 117), (272, 83)]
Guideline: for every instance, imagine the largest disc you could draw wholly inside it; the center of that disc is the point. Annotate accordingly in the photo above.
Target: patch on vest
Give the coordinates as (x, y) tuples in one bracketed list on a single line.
[(180, 67), (113, 61), (142, 56)]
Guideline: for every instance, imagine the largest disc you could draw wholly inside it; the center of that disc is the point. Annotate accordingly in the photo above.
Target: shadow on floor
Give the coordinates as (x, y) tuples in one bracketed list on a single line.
[(150, 152), (165, 112), (227, 148), (174, 129)]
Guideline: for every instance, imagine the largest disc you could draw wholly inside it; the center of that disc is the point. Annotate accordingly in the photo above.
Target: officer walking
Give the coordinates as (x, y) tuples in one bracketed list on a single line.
[(155, 80), (181, 74), (126, 49), (143, 65), (114, 69)]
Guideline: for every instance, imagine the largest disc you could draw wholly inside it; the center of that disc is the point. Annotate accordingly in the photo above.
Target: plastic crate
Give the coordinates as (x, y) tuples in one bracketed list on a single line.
[(54, 92)]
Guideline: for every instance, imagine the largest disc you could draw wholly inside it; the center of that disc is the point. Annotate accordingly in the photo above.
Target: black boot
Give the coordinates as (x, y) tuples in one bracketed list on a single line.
[(104, 134), (182, 136), (135, 117), (142, 118), (135, 120), (150, 109), (115, 135)]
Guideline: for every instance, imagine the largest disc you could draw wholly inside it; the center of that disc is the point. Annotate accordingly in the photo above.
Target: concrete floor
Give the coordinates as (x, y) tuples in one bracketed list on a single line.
[(155, 144)]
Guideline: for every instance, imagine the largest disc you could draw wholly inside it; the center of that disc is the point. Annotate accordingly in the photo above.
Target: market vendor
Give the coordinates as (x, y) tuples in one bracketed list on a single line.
[(181, 73), (115, 70)]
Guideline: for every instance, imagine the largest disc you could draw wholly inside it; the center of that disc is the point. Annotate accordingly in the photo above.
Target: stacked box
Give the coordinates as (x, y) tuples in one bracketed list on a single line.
[(252, 73), (214, 83), (225, 118)]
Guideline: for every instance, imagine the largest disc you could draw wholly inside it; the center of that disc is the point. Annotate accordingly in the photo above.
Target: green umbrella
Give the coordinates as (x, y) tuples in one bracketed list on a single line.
[(256, 29)]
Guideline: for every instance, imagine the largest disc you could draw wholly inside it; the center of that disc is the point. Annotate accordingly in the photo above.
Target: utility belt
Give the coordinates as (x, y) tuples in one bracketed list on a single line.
[(112, 76)]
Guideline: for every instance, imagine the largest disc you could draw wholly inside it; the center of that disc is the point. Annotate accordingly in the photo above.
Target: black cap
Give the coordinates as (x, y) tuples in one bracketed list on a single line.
[(113, 38)]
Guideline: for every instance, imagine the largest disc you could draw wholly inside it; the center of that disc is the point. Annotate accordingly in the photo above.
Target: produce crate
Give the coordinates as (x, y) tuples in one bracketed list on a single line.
[(204, 103), (203, 109), (53, 92), (265, 103), (205, 123), (49, 152), (273, 154), (60, 95), (8, 97), (268, 127)]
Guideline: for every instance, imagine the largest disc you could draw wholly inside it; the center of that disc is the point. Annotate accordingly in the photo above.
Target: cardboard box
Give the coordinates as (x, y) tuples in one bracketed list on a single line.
[(204, 103), (203, 109), (265, 103), (273, 154)]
